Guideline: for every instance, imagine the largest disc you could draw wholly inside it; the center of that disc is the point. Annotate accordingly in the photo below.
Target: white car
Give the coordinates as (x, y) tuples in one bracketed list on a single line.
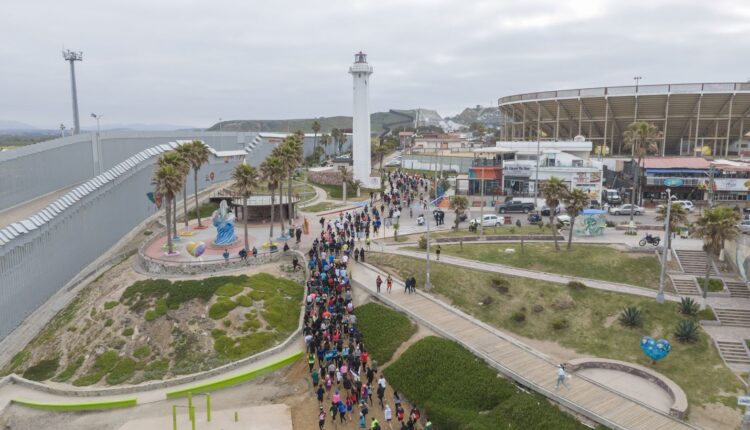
[(744, 226), (686, 204), (625, 210), (393, 163), (489, 221), (563, 219)]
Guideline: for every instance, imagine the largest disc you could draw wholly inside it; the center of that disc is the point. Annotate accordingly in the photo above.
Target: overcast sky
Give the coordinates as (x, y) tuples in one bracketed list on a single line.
[(191, 62)]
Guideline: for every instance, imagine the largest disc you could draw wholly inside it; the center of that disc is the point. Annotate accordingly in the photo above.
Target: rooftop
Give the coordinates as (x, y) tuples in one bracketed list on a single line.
[(676, 163)]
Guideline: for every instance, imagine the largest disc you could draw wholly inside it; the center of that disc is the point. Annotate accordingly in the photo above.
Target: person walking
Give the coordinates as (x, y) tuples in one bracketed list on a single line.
[(374, 425), (362, 255), (378, 282), (389, 284), (437, 252), (362, 421), (561, 375), (321, 418), (388, 416), (225, 254)]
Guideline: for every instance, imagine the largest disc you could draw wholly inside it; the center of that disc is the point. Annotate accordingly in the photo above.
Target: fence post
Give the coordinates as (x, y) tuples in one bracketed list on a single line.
[(174, 417), (208, 406)]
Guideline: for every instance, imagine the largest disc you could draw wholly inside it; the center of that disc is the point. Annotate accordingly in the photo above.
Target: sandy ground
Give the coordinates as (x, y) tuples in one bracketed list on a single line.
[(267, 417)]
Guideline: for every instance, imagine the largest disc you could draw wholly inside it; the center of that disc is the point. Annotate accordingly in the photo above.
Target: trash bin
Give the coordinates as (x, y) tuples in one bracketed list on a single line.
[(507, 220)]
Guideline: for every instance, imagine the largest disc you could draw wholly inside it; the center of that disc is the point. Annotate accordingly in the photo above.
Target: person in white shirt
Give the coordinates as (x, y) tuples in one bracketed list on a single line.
[(381, 381), (561, 375)]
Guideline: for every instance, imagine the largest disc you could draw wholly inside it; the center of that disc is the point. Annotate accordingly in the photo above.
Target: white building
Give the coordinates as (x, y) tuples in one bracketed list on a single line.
[(361, 72)]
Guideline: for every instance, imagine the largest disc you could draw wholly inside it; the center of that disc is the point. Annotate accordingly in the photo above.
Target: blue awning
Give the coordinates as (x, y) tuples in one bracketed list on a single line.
[(593, 212)]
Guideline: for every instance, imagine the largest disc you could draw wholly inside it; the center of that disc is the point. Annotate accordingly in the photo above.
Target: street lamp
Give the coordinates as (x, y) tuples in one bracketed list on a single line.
[(98, 141), (660, 294), (637, 80)]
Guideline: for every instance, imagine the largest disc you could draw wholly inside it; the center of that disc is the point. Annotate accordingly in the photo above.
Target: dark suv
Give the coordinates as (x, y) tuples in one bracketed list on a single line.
[(515, 206)]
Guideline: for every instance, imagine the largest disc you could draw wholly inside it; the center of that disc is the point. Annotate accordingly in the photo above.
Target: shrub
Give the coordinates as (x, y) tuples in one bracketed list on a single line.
[(384, 329), (563, 303), (102, 365), (110, 305), (72, 328), (688, 306), (560, 324), (611, 224), (487, 300), (576, 286), (422, 244), (227, 323), (161, 307), (537, 308), (123, 370), (229, 290), (244, 301), (631, 317), (706, 314), (686, 331), (128, 332), (462, 392), (221, 308), (150, 315), (142, 352), (156, 369), (500, 285), (518, 317), (69, 370), (714, 285), (109, 322), (251, 324), (43, 370)]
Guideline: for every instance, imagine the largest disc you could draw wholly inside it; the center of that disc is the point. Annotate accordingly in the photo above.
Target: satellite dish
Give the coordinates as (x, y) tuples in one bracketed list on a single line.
[(579, 138)]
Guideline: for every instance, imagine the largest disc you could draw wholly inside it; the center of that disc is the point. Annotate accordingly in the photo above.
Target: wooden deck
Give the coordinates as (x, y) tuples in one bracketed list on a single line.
[(519, 362)]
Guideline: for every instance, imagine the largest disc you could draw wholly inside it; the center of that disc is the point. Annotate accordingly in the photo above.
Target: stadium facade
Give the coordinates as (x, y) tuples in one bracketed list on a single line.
[(698, 117)]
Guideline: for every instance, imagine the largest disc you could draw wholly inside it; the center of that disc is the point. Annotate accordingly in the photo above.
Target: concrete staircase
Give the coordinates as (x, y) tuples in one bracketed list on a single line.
[(693, 262), (737, 288), (733, 317), (685, 285), (733, 352)]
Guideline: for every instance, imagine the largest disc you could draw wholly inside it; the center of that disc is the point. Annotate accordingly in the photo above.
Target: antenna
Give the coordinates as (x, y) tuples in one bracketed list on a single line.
[(72, 57)]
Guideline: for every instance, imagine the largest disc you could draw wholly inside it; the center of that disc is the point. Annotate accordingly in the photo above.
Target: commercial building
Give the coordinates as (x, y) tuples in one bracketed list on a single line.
[(710, 117)]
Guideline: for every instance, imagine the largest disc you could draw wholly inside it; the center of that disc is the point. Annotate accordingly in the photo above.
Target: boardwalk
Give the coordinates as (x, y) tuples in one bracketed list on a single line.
[(518, 361)]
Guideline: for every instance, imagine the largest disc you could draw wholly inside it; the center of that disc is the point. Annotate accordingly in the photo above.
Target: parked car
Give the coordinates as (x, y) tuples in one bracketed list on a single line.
[(686, 204), (594, 204), (625, 210), (744, 226), (515, 206), (393, 162), (490, 220), (546, 211), (534, 218), (563, 219)]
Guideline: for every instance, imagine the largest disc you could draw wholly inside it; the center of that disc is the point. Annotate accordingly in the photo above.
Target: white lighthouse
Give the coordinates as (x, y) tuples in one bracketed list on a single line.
[(361, 72)]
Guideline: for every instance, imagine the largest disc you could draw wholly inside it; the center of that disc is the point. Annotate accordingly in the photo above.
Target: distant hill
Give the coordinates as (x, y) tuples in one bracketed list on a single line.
[(10, 125), (488, 116), (379, 121)]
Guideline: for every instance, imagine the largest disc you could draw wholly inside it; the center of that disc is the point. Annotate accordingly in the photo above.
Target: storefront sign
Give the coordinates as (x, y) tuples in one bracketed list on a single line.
[(517, 170), (731, 184)]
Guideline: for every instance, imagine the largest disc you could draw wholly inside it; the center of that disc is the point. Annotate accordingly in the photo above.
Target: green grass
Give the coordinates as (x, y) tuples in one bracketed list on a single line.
[(714, 285), (584, 320), (128, 332), (321, 207), (384, 329), (157, 369), (458, 391), (221, 308), (109, 305), (229, 290), (463, 230), (142, 352), (205, 210), (43, 370), (586, 261)]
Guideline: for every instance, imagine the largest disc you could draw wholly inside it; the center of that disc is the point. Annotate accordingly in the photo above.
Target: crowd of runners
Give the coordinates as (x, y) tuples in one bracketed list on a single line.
[(344, 377)]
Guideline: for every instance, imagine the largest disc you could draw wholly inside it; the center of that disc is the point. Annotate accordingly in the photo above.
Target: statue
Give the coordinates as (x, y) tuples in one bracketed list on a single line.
[(223, 220)]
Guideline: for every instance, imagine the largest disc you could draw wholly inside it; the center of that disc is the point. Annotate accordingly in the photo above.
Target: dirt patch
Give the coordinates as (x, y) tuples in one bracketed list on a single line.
[(715, 416)]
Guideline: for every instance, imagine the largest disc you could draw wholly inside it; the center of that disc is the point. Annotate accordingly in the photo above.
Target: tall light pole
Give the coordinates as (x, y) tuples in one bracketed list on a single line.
[(637, 80), (660, 294), (98, 141), (72, 57)]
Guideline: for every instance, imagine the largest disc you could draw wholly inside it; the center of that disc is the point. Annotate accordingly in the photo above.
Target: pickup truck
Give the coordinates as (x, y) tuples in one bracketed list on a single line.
[(515, 206)]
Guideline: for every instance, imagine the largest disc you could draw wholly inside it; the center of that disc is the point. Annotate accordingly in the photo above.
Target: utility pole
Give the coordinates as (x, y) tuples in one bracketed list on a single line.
[(72, 57), (660, 294), (481, 208), (98, 142), (711, 185)]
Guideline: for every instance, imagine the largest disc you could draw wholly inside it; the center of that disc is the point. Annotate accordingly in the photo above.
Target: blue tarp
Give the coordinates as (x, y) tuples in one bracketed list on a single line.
[(593, 212)]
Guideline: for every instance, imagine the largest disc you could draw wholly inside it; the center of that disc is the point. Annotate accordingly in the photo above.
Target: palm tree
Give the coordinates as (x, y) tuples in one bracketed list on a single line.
[(714, 227), (575, 201), (643, 139), (677, 217), (458, 204), (316, 130), (553, 190), (174, 159), (325, 140), (199, 155), (185, 151), (346, 176), (336, 135), (272, 171), (292, 150), (167, 181), (245, 180)]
